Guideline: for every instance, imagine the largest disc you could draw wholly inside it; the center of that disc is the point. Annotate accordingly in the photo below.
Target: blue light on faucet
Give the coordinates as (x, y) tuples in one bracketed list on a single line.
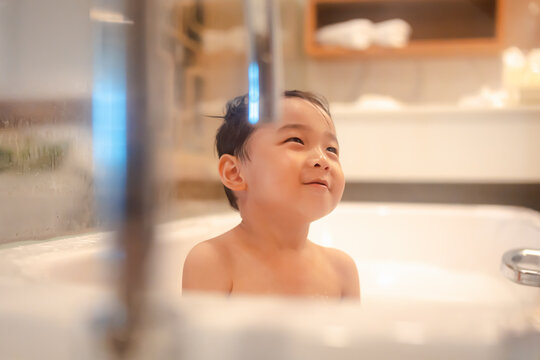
[(253, 105), (109, 124)]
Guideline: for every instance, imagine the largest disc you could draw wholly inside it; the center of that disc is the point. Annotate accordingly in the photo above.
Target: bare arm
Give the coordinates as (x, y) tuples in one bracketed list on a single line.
[(207, 269)]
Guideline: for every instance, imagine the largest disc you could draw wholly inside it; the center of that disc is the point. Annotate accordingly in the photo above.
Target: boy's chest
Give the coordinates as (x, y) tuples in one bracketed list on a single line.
[(286, 276)]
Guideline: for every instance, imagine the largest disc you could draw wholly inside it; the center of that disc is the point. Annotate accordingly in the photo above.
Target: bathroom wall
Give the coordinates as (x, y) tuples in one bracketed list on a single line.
[(422, 82), (46, 49), (435, 79), (411, 80)]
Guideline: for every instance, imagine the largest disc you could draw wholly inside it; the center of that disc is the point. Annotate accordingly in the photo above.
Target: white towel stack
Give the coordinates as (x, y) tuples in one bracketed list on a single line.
[(354, 34), (359, 34), (393, 33)]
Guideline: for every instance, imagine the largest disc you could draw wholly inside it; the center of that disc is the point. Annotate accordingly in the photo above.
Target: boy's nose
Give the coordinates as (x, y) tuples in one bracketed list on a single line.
[(320, 160)]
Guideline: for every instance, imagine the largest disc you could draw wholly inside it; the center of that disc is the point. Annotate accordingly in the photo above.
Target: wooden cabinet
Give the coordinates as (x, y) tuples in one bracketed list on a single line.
[(439, 27)]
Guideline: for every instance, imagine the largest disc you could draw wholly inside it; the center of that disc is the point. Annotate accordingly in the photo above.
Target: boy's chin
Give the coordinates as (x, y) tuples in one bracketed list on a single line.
[(308, 211), (314, 213)]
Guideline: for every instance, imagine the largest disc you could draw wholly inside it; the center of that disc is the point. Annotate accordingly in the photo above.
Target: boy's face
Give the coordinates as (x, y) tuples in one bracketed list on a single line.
[(294, 164)]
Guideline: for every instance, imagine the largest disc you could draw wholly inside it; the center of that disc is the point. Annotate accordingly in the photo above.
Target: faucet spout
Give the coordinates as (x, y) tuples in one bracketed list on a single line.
[(122, 154), (121, 118), (264, 60)]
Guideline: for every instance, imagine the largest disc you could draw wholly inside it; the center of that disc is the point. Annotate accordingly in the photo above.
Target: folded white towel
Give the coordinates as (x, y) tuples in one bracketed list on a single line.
[(354, 34), (392, 33), (359, 34)]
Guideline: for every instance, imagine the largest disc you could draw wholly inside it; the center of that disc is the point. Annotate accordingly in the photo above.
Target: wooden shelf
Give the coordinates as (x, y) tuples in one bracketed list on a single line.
[(440, 27)]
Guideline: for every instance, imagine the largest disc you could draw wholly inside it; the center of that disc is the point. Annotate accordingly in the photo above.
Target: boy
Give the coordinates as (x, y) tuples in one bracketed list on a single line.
[(280, 177)]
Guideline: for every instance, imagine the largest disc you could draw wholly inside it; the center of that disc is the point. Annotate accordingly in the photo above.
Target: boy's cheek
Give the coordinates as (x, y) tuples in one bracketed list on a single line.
[(339, 173), (341, 182)]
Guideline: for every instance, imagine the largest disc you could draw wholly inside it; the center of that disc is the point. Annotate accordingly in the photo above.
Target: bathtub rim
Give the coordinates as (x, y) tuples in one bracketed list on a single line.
[(14, 259), (396, 207)]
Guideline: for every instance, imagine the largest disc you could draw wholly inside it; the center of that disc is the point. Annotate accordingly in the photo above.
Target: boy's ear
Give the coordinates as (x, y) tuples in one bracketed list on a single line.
[(229, 172)]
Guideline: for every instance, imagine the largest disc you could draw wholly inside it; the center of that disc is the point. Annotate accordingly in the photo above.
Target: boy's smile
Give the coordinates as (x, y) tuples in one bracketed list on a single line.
[(293, 165)]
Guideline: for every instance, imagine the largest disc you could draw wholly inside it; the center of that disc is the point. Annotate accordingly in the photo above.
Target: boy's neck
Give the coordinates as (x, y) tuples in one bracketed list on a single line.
[(273, 230)]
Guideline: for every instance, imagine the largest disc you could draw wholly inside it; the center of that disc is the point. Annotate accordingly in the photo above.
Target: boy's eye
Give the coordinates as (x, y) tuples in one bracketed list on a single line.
[(295, 139), (332, 149)]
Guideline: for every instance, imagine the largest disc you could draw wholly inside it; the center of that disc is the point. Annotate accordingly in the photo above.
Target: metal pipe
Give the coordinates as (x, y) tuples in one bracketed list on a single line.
[(264, 60), (122, 154), (122, 139)]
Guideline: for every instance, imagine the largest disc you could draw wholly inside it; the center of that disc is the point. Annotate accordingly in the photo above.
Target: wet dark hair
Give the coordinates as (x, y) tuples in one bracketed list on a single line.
[(232, 135)]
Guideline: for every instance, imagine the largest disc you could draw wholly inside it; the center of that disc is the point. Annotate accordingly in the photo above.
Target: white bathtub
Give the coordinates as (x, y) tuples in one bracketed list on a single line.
[(430, 282)]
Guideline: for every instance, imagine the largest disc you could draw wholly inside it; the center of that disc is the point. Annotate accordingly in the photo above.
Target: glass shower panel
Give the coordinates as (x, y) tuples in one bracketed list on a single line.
[(46, 183)]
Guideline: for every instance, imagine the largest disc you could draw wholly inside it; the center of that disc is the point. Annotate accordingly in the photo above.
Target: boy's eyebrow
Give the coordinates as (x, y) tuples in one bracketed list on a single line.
[(306, 128)]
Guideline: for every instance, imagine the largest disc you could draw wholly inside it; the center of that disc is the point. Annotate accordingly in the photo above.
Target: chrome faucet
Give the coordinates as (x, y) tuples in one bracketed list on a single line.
[(123, 140), (264, 60), (122, 145)]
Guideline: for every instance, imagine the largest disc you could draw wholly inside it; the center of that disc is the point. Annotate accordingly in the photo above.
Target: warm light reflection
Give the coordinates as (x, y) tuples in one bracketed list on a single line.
[(108, 16), (514, 57), (382, 211), (534, 61)]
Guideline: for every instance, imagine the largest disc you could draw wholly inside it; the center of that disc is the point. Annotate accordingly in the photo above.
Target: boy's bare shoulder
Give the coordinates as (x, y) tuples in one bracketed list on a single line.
[(213, 250), (339, 259), (208, 266), (346, 268)]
